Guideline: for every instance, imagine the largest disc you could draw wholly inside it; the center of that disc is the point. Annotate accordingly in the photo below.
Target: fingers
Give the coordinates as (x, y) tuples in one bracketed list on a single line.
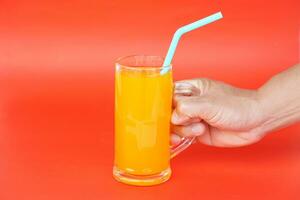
[(188, 102), (212, 136), (180, 119), (175, 139), (190, 109), (191, 130), (220, 138)]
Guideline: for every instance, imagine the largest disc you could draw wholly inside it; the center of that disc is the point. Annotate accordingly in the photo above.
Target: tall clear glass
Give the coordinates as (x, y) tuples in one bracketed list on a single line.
[(143, 103)]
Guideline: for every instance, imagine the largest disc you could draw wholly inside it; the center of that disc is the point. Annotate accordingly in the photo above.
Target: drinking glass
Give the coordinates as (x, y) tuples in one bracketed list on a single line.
[(143, 106)]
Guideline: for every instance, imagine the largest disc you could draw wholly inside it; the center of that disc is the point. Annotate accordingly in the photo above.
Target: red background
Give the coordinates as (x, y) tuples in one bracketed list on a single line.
[(56, 95)]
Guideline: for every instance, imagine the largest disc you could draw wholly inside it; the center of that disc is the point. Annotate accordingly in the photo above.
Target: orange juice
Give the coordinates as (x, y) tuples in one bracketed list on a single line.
[(142, 120)]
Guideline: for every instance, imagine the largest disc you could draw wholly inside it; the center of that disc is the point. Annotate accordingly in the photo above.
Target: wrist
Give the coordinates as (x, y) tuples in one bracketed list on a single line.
[(277, 110)]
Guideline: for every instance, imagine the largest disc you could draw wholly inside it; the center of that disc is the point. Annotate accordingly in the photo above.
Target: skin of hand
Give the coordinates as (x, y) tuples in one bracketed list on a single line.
[(224, 116)]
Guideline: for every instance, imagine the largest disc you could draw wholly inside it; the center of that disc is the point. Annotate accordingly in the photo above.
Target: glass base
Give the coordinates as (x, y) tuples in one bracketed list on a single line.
[(141, 180)]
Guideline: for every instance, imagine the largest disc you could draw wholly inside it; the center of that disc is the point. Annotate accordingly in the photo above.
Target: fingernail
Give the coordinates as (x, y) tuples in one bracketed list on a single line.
[(175, 118), (197, 129), (175, 139)]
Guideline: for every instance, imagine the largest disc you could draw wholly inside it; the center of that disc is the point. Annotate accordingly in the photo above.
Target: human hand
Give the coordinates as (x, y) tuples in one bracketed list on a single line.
[(216, 113)]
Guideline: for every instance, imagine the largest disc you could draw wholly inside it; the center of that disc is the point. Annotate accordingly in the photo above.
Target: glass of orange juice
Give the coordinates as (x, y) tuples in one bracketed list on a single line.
[(143, 105)]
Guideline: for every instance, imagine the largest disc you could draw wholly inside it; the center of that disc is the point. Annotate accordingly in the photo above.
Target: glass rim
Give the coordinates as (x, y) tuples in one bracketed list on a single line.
[(140, 68)]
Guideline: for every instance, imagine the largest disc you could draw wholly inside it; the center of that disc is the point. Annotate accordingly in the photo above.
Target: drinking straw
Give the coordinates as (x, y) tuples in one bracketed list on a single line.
[(182, 30)]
